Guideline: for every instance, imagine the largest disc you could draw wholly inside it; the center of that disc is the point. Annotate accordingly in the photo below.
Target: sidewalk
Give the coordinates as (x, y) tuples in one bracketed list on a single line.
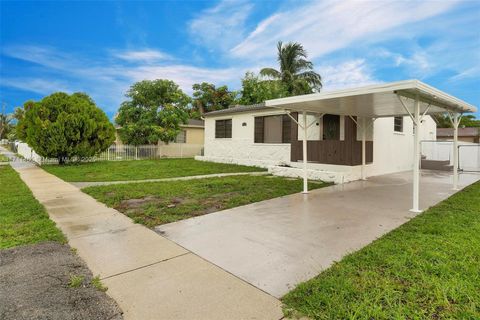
[(82, 185), (149, 276)]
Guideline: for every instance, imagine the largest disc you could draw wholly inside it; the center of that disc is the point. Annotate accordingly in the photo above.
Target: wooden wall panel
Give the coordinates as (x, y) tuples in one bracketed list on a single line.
[(347, 152)]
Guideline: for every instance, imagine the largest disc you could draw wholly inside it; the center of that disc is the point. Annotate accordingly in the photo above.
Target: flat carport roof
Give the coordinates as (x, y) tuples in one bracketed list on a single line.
[(411, 98), (375, 101)]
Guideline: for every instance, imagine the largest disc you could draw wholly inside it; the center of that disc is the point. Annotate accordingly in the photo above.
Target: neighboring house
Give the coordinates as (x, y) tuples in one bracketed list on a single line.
[(267, 137), (464, 134), (191, 133)]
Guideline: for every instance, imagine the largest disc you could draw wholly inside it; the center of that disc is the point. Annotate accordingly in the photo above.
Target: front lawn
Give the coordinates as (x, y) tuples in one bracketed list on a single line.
[(429, 268), (23, 220), (156, 203), (141, 169)]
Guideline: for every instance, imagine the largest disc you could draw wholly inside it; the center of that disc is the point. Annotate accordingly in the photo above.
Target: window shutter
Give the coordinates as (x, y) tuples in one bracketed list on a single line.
[(259, 127), (398, 124), (220, 129), (228, 128), (286, 129)]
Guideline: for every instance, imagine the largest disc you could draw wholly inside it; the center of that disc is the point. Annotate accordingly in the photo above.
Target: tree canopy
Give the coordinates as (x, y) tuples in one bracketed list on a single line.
[(443, 121), (6, 123), (65, 126), (295, 72), (206, 97), (154, 112), (255, 90)]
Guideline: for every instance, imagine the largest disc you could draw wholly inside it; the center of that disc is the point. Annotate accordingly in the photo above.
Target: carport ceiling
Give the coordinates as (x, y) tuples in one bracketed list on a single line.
[(375, 101)]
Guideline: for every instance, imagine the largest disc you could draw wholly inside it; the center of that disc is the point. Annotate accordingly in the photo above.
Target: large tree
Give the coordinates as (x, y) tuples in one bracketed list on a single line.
[(65, 127), (154, 112), (206, 97), (295, 72), (255, 90)]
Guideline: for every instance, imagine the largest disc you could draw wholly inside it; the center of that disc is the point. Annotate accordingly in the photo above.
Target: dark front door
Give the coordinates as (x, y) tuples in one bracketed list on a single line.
[(331, 127)]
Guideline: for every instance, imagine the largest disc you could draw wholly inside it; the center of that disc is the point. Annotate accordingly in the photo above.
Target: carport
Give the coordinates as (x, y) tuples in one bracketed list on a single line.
[(411, 98)]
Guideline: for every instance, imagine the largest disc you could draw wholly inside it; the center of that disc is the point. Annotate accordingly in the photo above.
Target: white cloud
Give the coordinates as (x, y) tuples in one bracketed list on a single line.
[(352, 73), (184, 75), (466, 74), (146, 55), (105, 80), (419, 64), (323, 27), (37, 85), (221, 26)]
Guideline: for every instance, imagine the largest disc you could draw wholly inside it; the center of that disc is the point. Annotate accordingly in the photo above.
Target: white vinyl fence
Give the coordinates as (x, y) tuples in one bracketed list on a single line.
[(468, 153), (125, 152), (26, 152)]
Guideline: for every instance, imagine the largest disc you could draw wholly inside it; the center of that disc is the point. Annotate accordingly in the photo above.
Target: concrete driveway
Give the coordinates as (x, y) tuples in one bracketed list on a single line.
[(278, 243)]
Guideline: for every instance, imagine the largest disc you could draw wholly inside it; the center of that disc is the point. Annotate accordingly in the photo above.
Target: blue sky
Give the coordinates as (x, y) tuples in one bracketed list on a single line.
[(102, 47)]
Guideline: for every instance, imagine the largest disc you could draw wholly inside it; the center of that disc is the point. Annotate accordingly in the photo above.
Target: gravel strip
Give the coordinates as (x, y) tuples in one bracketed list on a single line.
[(35, 284)]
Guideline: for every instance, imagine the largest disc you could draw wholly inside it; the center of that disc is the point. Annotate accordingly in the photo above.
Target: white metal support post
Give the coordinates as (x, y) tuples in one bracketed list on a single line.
[(416, 157), (305, 173), (364, 154), (455, 123), (363, 127)]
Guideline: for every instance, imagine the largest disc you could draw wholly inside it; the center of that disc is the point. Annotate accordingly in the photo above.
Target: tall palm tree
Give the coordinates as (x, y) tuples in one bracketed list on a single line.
[(296, 72)]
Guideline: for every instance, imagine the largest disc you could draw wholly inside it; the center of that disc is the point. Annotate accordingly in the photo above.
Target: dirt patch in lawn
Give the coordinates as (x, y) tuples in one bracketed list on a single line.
[(48, 281), (214, 203), (137, 203), (151, 210)]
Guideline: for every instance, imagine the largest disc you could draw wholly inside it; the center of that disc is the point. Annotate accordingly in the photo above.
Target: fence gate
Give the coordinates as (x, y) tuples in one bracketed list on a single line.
[(469, 157), (438, 155)]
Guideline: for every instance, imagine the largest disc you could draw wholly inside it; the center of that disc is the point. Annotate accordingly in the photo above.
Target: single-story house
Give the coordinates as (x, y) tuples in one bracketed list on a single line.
[(267, 137), (464, 134), (337, 136)]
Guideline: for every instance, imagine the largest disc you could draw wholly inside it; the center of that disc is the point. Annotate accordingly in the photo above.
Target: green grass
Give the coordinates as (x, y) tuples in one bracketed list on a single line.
[(429, 268), (156, 203), (23, 220), (97, 284), (3, 158), (141, 169), (76, 281)]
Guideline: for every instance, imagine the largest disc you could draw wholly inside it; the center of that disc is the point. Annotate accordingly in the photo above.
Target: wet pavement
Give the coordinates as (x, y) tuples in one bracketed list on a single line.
[(276, 244)]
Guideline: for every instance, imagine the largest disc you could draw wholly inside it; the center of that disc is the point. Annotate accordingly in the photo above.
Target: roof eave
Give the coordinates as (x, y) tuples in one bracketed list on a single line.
[(409, 88)]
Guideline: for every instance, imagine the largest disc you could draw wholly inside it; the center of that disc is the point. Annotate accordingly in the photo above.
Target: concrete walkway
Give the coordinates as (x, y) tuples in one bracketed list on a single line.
[(278, 243), (149, 276), (82, 185)]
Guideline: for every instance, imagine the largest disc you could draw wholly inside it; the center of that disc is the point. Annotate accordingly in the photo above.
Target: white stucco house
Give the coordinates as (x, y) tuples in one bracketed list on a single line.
[(351, 134)]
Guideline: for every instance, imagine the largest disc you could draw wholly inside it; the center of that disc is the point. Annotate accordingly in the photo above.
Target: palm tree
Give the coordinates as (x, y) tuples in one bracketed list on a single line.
[(296, 73)]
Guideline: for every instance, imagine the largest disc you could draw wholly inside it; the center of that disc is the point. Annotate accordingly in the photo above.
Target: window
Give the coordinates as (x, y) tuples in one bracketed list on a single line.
[(272, 129), (223, 128), (331, 127), (181, 137), (398, 124)]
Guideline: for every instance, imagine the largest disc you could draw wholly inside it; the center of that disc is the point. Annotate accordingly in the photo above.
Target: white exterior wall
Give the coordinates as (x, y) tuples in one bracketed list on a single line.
[(392, 151), (241, 149)]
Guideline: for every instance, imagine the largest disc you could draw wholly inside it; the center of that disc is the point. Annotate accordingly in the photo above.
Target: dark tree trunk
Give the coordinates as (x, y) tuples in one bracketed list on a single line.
[(200, 107)]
